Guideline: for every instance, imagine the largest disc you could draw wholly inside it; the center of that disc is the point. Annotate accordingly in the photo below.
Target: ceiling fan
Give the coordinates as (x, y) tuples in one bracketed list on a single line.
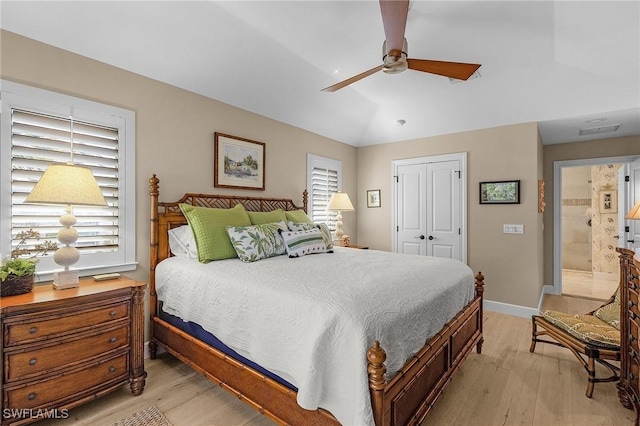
[(394, 50)]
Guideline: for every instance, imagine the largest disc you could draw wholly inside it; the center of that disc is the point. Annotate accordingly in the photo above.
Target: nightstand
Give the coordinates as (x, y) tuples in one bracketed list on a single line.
[(61, 348), (355, 246)]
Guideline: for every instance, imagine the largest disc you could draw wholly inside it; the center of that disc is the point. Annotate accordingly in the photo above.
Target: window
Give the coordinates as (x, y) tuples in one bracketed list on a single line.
[(324, 177), (38, 128)]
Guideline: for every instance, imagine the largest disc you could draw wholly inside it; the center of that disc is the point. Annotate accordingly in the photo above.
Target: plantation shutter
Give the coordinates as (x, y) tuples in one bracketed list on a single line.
[(324, 182), (37, 140)]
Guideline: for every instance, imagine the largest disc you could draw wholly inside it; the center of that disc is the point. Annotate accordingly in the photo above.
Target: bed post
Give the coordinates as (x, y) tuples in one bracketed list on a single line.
[(153, 259), (305, 200), (377, 380), (479, 292)]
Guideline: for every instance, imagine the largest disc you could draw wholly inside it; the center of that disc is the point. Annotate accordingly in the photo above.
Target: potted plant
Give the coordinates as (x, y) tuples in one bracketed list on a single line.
[(17, 272)]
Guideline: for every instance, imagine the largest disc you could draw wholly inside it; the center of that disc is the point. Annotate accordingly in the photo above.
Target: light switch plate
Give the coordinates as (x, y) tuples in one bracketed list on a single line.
[(513, 229)]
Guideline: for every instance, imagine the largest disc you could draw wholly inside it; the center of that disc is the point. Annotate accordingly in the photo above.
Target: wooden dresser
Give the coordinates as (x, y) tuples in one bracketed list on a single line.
[(628, 387), (61, 348)]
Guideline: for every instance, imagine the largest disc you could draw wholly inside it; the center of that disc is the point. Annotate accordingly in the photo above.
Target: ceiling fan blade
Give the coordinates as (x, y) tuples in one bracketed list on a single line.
[(394, 19), (352, 79), (458, 70)]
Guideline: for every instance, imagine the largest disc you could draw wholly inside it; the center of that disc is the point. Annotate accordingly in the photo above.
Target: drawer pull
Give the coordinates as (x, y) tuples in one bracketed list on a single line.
[(32, 361), (113, 313), (32, 330), (31, 396), (113, 339), (112, 369)]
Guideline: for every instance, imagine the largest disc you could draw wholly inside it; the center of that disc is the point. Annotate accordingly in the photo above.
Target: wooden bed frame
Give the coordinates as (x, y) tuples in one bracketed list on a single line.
[(404, 399)]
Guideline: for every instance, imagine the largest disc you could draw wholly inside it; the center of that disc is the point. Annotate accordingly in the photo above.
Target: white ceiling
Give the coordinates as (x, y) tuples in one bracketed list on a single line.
[(558, 63)]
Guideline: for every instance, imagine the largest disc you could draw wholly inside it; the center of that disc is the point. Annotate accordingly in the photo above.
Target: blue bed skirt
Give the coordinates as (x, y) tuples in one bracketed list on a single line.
[(200, 333)]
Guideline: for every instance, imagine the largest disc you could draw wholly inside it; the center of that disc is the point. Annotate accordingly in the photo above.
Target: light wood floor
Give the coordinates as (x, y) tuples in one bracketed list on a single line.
[(583, 284), (505, 385)]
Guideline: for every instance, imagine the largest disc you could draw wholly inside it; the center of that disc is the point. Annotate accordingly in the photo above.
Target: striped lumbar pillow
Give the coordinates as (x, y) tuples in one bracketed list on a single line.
[(301, 243)]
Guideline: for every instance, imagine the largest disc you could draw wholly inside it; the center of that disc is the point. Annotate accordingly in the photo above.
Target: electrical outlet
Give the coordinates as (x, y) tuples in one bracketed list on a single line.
[(513, 229)]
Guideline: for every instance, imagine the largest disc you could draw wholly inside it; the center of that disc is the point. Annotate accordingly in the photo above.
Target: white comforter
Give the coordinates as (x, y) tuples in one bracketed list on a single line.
[(311, 319)]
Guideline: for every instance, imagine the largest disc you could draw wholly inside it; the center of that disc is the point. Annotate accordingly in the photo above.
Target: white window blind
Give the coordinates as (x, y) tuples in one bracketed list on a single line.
[(35, 131), (38, 140), (324, 178)]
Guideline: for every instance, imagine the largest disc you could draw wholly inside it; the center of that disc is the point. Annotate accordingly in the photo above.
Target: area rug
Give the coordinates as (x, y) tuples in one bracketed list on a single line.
[(150, 416)]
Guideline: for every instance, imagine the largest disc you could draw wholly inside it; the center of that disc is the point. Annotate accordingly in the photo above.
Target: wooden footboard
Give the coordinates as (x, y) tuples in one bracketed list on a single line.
[(408, 397), (403, 399)]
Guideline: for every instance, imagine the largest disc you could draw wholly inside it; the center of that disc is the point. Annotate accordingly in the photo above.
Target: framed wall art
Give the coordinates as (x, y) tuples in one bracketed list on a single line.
[(238, 162), (608, 202), (373, 198), (500, 192)]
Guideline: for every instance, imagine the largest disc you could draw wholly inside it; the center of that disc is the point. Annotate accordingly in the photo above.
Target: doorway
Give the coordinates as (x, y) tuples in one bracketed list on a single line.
[(590, 202)]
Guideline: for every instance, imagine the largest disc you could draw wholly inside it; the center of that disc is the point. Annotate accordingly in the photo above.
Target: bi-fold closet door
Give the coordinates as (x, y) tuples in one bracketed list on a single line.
[(429, 209)]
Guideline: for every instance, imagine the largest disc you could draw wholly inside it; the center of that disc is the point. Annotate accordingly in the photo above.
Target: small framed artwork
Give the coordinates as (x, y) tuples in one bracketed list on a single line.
[(373, 198), (500, 192), (608, 201), (238, 163)]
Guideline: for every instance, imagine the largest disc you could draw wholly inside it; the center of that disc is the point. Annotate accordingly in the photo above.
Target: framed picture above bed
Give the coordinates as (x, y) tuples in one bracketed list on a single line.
[(238, 162), (500, 192)]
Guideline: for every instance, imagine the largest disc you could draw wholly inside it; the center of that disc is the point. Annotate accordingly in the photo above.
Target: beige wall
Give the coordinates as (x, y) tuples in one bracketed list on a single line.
[(601, 148), (174, 133), (511, 263)]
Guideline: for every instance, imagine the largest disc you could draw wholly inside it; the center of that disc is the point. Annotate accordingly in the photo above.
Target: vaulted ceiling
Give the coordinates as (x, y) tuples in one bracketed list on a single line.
[(568, 65)]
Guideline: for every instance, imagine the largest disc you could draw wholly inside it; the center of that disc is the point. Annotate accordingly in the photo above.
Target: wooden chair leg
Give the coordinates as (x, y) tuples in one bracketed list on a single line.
[(534, 334), (591, 370)]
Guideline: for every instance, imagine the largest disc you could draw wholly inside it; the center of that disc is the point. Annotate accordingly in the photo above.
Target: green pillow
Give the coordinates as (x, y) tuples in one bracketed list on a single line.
[(298, 216), (261, 218), (209, 227)]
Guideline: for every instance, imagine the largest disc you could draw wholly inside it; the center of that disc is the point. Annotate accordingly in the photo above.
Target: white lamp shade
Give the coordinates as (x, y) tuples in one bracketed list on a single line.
[(340, 201), (67, 184), (634, 213)]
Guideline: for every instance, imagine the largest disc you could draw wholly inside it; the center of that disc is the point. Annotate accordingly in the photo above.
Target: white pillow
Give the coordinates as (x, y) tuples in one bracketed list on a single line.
[(326, 234), (182, 243), (302, 243)]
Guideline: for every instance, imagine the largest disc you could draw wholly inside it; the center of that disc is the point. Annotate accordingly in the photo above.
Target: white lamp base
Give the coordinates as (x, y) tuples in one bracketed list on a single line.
[(65, 279)]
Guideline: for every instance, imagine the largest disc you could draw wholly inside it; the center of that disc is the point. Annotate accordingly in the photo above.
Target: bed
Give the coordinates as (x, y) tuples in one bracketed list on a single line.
[(403, 397)]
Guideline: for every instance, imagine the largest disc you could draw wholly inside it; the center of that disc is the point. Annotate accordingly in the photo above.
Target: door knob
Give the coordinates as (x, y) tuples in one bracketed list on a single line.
[(421, 237), (431, 237)]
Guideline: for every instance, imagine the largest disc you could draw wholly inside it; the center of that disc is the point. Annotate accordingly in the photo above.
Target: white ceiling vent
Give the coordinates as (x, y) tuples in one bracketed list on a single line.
[(596, 130)]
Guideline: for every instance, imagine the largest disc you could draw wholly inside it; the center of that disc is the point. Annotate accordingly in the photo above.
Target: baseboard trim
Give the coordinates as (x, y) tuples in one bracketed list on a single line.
[(508, 309)]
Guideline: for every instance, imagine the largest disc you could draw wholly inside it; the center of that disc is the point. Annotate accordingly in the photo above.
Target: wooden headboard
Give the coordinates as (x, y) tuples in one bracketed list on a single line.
[(167, 215)]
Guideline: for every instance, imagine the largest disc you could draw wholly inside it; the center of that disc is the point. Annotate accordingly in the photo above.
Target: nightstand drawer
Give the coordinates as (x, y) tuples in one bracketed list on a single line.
[(46, 393), (21, 365), (45, 328)]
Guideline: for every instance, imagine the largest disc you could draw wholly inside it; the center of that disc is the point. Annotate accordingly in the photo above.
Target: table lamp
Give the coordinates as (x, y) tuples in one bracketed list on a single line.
[(67, 184), (634, 213), (340, 202)]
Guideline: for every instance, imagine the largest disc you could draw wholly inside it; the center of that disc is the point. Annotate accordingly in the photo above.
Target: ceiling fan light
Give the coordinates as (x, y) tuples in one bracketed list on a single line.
[(394, 63), (395, 67)]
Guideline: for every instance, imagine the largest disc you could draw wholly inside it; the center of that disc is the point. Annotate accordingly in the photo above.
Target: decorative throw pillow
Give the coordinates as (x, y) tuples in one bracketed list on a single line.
[(257, 242), (324, 229), (209, 228), (259, 218), (298, 216), (182, 243), (302, 243)]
